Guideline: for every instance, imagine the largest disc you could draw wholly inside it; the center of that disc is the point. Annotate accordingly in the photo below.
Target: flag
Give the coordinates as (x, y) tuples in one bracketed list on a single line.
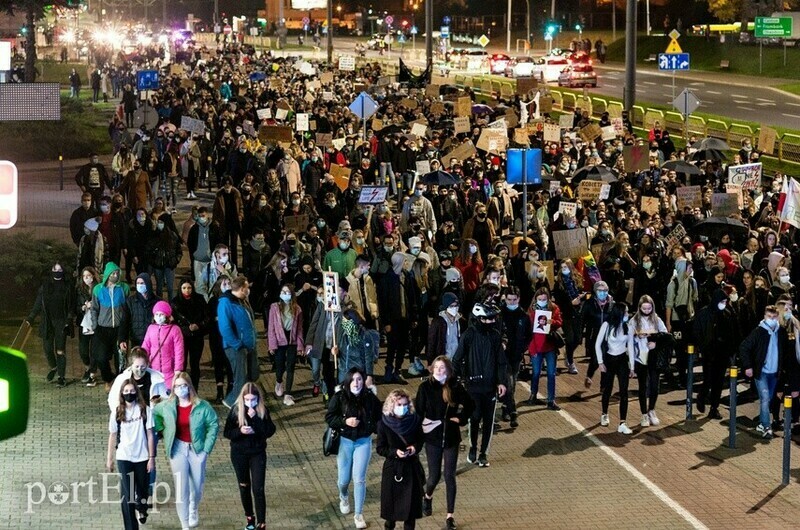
[(789, 203)]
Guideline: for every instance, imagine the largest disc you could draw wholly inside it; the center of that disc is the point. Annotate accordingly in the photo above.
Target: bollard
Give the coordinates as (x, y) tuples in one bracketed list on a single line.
[(689, 381), (61, 171), (787, 437), (732, 420)]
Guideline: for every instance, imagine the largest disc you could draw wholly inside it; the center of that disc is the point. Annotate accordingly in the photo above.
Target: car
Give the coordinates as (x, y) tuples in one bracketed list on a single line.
[(580, 74), (520, 67), (549, 67), (498, 63), (580, 57)]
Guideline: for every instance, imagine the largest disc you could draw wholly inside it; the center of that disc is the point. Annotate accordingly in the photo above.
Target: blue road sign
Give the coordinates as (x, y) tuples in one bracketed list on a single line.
[(673, 61), (533, 166), (147, 80), (363, 106), (445, 32), (414, 30), (446, 20)]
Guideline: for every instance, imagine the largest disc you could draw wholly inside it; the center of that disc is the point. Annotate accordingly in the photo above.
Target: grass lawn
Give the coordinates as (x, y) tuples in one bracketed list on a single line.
[(792, 88)]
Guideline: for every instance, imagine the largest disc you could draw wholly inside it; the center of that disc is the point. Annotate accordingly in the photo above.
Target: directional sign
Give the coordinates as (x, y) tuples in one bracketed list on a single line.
[(686, 102), (445, 32), (446, 20), (673, 47), (364, 106), (483, 41), (147, 80), (389, 19), (533, 166), (673, 61), (773, 27)]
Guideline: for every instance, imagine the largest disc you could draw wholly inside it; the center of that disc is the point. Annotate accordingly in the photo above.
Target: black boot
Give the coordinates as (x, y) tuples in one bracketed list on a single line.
[(220, 394)]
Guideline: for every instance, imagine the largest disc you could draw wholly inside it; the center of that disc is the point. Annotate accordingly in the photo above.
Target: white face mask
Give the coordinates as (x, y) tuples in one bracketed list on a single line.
[(473, 249), (223, 260), (251, 403), (721, 306), (452, 311), (160, 319), (400, 410), (541, 303), (784, 278), (286, 297), (441, 378)]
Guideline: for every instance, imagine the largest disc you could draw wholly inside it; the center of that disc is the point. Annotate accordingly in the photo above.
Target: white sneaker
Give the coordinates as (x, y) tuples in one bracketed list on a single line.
[(279, 389), (653, 418), (604, 420), (359, 520), (624, 429), (344, 505), (194, 518), (288, 400), (645, 421), (188, 196)]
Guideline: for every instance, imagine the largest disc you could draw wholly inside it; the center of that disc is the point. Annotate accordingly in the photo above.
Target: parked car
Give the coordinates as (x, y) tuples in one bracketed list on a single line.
[(520, 67), (579, 74), (548, 68), (498, 63)]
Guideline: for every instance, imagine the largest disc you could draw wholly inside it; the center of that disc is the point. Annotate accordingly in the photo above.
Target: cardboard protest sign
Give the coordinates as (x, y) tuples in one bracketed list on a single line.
[(689, 197), (423, 167), (193, 125), (619, 126), (338, 143), (521, 136), (327, 95), (372, 194), (512, 120), (326, 78), (565, 121), (548, 266), (609, 133), (526, 84), (464, 106), (600, 250), (314, 85), (347, 63), (552, 132), (464, 151), (766, 140), (301, 121), (376, 124), (461, 124), (188, 84), (636, 158), (571, 243), (324, 139), (409, 103), (535, 127), (590, 132), (493, 140), (748, 176), (674, 238), (432, 91), (589, 190), (567, 209), (176, 69), (298, 223), (275, 133), (309, 98), (276, 83), (385, 80), (650, 205), (437, 108), (724, 204), (341, 175), (545, 104), (281, 114), (264, 114), (736, 190), (499, 124), (418, 129)]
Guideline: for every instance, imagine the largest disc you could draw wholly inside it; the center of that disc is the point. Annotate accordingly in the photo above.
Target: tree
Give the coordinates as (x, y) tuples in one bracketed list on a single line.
[(744, 10), (34, 11)]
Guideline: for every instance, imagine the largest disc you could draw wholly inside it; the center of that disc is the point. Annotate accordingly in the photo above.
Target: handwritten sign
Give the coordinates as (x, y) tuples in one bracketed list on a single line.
[(437, 108), (546, 104), (748, 176), (264, 114), (674, 238), (341, 176), (324, 139), (372, 194), (552, 132), (736, 190), (464, 107), (499, 124), (766, 140), (301, 122), (724, 204), (571, 243), (605, 191), (281, 114), (347, 63), (521, 136), (461, 124), (338, 143), (689, 197), (636, 158), (296, 223), (275, 133), (589, 190), (423, 167), (432, 91), (567, 209), (650, 205), (526, 84), (619, 126), (418, 129), (464, 151), (193, 125), (493, 140), (609, 133), (590, 133), (565, 121), (409, 103), (326, 78)]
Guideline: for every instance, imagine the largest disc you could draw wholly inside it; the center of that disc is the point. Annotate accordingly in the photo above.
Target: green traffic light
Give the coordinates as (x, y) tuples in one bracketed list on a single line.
[(14, 393)]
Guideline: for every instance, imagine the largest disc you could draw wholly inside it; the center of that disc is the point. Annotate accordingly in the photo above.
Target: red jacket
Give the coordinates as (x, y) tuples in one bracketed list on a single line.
[(543, 343), (470, 272)]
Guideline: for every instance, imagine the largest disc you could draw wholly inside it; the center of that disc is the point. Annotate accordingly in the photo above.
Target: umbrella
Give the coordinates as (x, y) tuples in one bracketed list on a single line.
[(442, 178), (258, 76), (715, 227), (167, 127), (711, 143), (679, 166), (391, 129), (481, 109), (602, 173), (709, 154)]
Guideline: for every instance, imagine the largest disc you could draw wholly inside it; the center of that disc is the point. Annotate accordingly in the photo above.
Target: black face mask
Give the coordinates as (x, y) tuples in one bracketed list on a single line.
[(129, 398), (58, 275)]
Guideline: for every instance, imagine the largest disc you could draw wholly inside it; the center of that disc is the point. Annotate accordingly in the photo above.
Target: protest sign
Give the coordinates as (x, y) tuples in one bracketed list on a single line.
[(748, 176), (464, 107), (330, 288), (590, 132), (423, 167), (650, 205), (275, 133), (766, 140), (372, 194), (571, 243), (324, 139), (674, 238), (636, 158), (193, 125), (567, 209), (341, 176), (736, 190), (464, 151), (526, 84), (264, 114), (689, 197), (461, 124), (609, 133), (418, 129), (589, 190), (552, 132), (298, 223), (565, 121), (281, 114), (347, 63), (301, 121), (724, 204), (521, 136), (338, 143), (326, 78), (432, 91), (541, 322)]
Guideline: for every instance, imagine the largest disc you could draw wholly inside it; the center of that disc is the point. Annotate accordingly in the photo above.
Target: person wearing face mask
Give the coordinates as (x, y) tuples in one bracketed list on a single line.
[(86, 325), (594, 313), (420, 208), (220, 265), (140, 305), (399, 441), (285, 340), (782, 285), (681, 303), (542, 348), (355, 412), (615, 361), (649, 278), (222, 367), (444, 406), (150, 382), (121, 165), (768, 356), (569, 295), (55, 302), (130, 440), (341, 259), (517, 329), (164, 251), (190, 312), (644, 326), (332, 210), (93, 178), (248, 427), (204, 236), (290, 176), (80, 215), (113, 226), (140, 231), (164, 343), (470, 265), (136, 188), (240, 161), (237, 326), (189, 426), (228, 213), (110, 311), (500, 210), (445, 329), (399, 310), (481, 230), (363, 293)]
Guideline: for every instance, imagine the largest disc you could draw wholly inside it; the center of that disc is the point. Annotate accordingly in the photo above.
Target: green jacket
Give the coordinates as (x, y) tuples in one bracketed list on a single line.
[(203, 424)]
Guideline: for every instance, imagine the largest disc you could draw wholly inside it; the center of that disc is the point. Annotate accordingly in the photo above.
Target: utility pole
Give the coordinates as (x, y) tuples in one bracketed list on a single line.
[(630, 56), (429, 34), (613, 20), (330, 31), (508, 30)]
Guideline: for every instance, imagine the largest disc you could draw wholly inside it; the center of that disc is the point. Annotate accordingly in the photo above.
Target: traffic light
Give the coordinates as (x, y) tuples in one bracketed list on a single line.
[(9, 194), (551, 28), (14, 393)]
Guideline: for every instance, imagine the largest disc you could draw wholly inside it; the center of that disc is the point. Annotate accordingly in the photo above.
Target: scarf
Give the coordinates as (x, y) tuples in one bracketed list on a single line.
[(402, 427), (351, 331)]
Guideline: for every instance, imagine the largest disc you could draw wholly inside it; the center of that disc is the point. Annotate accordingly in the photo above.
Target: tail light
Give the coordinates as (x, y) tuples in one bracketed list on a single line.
[(9, 194)]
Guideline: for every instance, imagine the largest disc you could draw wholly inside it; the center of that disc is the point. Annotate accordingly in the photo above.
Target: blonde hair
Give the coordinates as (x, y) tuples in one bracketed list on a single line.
[(652, 318), (241, 413), (393, 397), (193, 397)]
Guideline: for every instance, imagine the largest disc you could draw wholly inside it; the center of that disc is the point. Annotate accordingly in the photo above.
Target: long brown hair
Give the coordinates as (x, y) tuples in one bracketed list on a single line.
[(241, 413), (122, 405), (447, 390), (465, 257)]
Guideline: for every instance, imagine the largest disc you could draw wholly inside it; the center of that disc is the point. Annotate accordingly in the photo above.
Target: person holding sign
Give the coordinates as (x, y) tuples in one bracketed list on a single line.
[(543, 347)]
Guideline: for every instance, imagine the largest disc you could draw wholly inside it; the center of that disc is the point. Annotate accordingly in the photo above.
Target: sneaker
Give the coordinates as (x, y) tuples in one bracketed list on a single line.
[(325, 398), (514, 423), (653, 418), (483, 461), (86, 376), (344, 505), (552, 406), (604, 420), (714, 414), (472, 458), (534, 401), (279, 389), (573, 369), (413, 370), (768, 435), (427, 506), (61, 383), (450, 524), (194, 518), (645, 421), (419, 366), (587, 382), (188, 196), (227, 406), (624, 429), (315, 391), (251, 524), (288, 400), (358, 519), (51, 375), (92, 382)]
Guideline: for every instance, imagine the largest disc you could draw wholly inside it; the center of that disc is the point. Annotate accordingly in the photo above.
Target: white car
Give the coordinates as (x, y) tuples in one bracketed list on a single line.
[(549, 68), (520, 67)]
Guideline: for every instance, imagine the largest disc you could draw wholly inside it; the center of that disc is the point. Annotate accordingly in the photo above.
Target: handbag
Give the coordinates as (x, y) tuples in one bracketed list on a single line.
[(558, 339), (330, 441)]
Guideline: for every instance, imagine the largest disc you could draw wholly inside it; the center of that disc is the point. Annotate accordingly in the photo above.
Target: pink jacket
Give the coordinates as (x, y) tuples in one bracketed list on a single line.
[(275, 334), (165, 346)]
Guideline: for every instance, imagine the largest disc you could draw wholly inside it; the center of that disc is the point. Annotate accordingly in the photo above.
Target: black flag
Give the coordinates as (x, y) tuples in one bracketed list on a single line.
[(414, 81)]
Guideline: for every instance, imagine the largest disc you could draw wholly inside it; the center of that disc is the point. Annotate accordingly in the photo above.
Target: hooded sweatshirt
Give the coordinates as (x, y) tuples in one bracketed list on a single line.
[(140, 310), (771, 360), (108, 302)]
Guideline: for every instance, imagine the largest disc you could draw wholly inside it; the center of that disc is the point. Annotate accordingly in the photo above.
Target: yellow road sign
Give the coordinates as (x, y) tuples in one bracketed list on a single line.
[(673, 47)]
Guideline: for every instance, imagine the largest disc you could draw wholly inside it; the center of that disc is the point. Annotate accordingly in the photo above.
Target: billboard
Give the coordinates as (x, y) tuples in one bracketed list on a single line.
[(305, 5)]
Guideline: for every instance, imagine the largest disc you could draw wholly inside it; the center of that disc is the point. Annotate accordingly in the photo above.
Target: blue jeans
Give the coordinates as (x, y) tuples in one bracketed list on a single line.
[(765, 384), (383, 169), (352, 462), (165, 278), (244, 363), (536, 362)]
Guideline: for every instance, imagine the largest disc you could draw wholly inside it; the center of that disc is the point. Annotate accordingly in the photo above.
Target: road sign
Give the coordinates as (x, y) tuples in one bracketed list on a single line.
[(673, 47), (147, 80), (673, 61), (674, 34), (773, 27), (444, 32), (389, 19), (306, 21), (446, 20), (483, 41), (363, 106), (533, 166), (414, 30), (686, 102), (14, 393)]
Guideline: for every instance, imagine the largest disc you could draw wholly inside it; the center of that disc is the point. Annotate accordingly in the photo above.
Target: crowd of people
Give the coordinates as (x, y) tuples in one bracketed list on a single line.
[(465, 283)]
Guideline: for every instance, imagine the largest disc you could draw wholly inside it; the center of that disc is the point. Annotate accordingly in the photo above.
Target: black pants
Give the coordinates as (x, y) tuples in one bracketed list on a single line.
[(194, 348), (616, 366), (251, 473), (588, 344), (85, 350), (411, 524), (285, 361), (436, 454), (681, 359), (54, 346), (648, 385), (328, 371), (222, 367), (230, 237), (572, 336), (509, 400), (483, 413), (133, 475), (104, 349), (714, 367), (191, 179), (419, 339), (397, 342)]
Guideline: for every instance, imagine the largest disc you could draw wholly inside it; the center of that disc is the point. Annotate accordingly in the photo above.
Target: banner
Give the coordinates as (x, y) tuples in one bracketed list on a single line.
[(748, 176)]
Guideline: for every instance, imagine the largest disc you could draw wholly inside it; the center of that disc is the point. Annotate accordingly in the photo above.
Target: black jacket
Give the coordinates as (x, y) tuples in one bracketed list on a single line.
[(430, 404), (753, 353), (479, 360), (517, 327), (79, 216), (140, 311), (592, 317), (402, 479), (191, 311), (366, 407), (55, 303), (164, 250), (248, 444), (389, 298), (213, 238), (716, 332)]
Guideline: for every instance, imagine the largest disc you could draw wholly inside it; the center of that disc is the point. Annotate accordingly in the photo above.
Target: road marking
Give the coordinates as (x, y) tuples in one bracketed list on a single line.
[(713, 92), (739, 96), (767, 100), (790, 115), (606, 85), (667, 85), (740, 102), (766, 104), (662, 495), (793, 104), (697, 83), (649, 83), (744, 108)]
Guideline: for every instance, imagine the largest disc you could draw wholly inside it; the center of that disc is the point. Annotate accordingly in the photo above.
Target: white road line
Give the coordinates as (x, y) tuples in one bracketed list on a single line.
[(739, 96), (649, 83), (740, 102), (606, 85), (667, 85), (792, 104), (766, 100), (713, 92), (744, 108), (697, 83), (662, 495), (790, 115), (766, 104)]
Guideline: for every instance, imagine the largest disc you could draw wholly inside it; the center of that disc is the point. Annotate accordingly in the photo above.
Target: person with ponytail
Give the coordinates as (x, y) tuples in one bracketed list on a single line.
[(444, 406)]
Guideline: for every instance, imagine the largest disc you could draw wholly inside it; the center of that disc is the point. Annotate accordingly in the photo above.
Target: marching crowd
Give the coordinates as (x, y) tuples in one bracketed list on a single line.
[(453, 272)]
